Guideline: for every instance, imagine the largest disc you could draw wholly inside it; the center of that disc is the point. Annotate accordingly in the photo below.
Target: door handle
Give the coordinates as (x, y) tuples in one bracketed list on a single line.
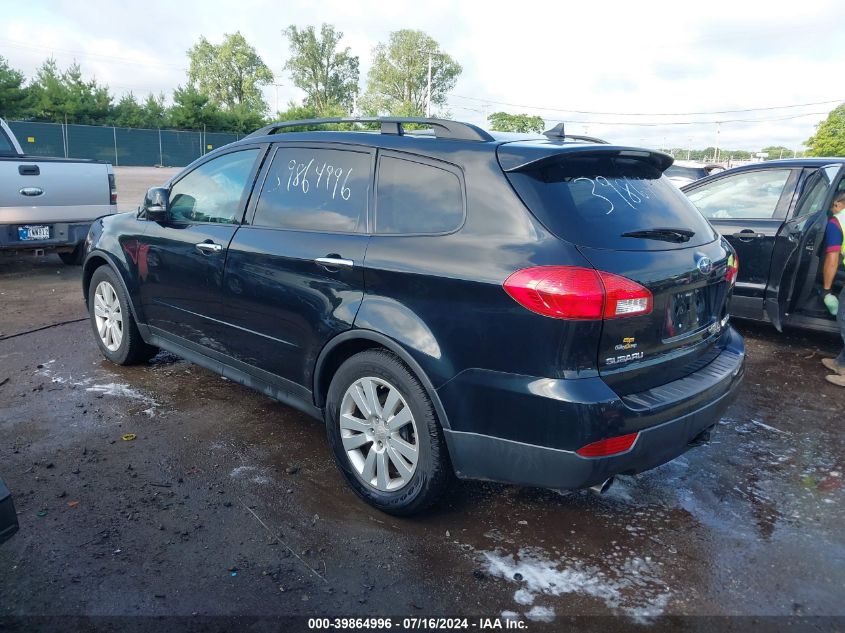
[(29, 170), (209, 248), (31, 191), (746, 235), (334, 262)]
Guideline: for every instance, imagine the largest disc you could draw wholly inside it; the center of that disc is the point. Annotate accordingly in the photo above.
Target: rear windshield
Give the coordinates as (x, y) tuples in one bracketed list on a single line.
[(594, 200)]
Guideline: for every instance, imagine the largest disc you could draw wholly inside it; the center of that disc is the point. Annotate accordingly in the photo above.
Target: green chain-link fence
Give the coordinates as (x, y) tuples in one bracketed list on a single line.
[(118, 145)]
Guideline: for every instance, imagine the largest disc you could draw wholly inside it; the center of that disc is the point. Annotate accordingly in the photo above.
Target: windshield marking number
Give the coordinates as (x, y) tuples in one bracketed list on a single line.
[(629, 194), (298, 178)]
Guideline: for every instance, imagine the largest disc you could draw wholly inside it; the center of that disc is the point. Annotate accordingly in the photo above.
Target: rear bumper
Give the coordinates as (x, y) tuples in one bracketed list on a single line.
[(62, 234), (8, 517), (533, 451)]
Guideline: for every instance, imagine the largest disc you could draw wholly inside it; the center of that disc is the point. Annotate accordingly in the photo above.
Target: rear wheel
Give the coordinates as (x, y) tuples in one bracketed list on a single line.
[(112, 321), (384, 434)]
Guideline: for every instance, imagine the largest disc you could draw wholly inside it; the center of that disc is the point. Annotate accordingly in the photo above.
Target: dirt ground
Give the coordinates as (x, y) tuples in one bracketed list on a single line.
[(226, 503)]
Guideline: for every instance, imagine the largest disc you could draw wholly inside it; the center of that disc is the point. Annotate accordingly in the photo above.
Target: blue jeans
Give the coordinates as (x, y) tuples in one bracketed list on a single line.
[(840, 319)]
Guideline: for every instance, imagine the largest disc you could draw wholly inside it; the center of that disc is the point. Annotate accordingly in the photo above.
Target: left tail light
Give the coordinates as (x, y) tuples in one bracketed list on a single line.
[(112, 189)]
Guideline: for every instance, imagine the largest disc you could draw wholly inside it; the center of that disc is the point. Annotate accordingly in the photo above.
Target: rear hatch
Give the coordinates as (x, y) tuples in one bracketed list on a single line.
[(626, 218)]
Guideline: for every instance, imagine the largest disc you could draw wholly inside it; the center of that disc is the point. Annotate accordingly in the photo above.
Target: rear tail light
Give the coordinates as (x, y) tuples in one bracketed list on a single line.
[(609, 446), (572, 292), (112, 189), (733, 269)]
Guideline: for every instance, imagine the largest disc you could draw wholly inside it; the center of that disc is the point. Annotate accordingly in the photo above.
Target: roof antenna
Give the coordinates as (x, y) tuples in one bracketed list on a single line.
[(556, 132)]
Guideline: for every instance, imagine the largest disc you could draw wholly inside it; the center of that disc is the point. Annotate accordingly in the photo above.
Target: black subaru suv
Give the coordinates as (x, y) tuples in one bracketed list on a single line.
[(536, 310)]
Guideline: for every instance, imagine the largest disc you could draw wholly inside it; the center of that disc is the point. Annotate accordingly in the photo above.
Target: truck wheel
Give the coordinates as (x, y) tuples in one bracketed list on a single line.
[(74, 257), (384, 434), (112, 321)]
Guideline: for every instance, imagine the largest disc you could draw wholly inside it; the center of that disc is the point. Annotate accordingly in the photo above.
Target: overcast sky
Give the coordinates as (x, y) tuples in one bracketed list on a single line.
[(591, 64)]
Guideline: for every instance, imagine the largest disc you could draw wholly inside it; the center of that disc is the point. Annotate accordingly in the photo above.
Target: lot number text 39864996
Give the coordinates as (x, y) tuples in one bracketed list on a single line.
[(416, 624)]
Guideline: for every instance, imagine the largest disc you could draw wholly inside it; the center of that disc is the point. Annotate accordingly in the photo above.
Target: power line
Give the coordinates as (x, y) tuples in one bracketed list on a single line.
[(664, 123), (530, 107), (668, 123)]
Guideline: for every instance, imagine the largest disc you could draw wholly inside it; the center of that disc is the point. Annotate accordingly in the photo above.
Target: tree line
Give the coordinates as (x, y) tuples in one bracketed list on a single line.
[(222, 91)]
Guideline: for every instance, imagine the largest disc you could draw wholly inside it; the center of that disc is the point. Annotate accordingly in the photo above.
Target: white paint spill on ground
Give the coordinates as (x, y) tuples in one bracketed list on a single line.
[(119, 390), (253, 473), (47, 372), (769, 428), (632, 586), (541, 614)]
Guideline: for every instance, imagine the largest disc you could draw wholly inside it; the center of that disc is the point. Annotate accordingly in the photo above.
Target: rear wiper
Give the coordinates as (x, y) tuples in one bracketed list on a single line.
[(665, 234)]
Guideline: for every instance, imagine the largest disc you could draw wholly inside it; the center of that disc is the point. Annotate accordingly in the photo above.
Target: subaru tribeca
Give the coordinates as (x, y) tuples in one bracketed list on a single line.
[(546, 311)]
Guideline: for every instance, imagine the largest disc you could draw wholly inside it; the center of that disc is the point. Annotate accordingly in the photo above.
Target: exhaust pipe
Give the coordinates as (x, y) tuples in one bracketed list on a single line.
[(603, 487)]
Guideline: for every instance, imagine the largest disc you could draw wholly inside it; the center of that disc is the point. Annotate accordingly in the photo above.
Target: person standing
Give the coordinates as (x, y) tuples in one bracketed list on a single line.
[(834, 251)]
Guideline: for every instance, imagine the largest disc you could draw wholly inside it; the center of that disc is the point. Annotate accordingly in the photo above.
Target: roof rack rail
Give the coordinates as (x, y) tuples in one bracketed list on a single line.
[(558, 132), (443, 128)]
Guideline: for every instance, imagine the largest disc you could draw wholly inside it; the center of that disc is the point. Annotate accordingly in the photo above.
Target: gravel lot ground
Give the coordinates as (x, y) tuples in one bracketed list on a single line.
[(227, 503)]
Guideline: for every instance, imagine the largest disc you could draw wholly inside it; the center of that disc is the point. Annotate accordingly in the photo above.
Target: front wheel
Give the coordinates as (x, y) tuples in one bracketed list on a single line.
[(112, 321), (384, 434)]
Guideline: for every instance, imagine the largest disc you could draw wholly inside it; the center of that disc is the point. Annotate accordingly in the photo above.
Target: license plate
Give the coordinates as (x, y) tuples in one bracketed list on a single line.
[(30, 233), (688, 311)]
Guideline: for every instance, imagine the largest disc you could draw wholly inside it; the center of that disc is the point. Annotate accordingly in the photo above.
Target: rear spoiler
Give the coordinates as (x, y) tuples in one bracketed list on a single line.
[(523, 156)]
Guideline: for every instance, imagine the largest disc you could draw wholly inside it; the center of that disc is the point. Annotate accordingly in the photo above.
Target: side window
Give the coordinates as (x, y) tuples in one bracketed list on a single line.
[(417, 198), (212, 192), (816, 189), (5, 145), (813, 196), (316, 190), (749, 195)]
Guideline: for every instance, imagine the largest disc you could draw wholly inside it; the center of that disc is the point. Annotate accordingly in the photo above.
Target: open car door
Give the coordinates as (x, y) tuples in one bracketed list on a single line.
[(795, 255)]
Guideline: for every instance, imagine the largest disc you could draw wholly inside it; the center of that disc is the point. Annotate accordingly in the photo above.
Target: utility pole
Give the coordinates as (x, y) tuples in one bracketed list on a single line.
[(689, 147), (428, 92), (716, 152)]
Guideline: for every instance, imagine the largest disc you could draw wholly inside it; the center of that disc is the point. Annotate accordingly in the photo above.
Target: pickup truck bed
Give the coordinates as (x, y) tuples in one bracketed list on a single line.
[(49, 203)]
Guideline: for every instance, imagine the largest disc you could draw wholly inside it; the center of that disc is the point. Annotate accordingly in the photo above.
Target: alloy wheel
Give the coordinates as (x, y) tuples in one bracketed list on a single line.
[(108, 316), (379, 434)]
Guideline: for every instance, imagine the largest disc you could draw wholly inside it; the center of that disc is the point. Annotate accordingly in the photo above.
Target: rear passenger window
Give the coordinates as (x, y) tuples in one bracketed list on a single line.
[(315, 190), (416, 197)]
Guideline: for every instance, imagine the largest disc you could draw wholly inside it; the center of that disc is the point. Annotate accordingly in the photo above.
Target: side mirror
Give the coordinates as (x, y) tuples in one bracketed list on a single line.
[(156, 204)]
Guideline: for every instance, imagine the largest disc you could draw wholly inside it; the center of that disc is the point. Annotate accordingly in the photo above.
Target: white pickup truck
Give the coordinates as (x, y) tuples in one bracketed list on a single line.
[(48, 204)]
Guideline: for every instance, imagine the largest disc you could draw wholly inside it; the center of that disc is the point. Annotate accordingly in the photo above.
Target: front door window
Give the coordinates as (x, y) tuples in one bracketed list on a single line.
[(212, 192), (748, 195)]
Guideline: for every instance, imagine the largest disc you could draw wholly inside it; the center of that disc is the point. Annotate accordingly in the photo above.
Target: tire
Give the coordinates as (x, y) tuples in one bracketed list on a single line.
[(378, 480), (73, 258), (108, 306)]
